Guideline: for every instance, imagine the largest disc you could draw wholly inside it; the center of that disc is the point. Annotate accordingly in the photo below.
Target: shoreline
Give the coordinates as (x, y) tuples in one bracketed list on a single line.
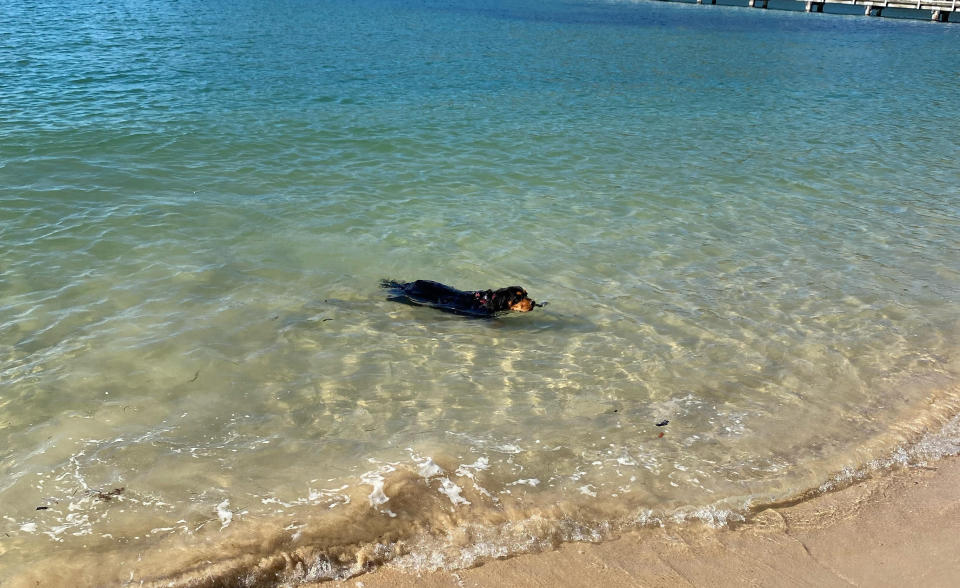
[(899, 527)]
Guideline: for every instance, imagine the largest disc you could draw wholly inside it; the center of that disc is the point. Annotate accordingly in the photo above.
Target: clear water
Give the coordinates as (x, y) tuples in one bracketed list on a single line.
[(746, 223)]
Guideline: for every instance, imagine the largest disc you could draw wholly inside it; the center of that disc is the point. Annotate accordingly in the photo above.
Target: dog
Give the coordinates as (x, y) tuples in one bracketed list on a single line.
[(479, 303)]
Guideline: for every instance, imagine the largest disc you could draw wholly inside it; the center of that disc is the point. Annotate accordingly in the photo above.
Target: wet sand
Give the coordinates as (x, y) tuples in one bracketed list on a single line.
[(900, 528)]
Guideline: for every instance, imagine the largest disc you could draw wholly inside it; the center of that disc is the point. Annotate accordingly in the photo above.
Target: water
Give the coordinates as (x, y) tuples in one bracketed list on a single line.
[(745, 222)]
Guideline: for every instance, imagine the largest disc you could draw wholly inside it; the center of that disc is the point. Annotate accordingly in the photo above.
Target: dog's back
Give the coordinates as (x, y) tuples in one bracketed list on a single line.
[(429, 293)]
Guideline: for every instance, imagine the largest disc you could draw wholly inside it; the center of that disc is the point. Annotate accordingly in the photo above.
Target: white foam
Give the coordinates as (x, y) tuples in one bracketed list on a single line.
[(273, 500), (427, 468), (528, 481), (931, 447), (315, 495), (647, 517), (470, 470), (377, 495), (712, 516), (482, 463), (507, 448), (452, 491), (224, 514), (376, 480)]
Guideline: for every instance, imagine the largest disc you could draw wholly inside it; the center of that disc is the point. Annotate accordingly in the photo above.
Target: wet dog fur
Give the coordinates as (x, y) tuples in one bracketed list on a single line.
[(480, 303)]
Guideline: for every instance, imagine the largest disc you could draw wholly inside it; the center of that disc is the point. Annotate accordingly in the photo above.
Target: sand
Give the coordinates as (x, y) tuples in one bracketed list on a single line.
[(901, 528)]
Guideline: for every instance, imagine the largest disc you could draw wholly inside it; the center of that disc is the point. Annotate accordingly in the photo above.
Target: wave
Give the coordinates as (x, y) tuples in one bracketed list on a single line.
[(427, 514)]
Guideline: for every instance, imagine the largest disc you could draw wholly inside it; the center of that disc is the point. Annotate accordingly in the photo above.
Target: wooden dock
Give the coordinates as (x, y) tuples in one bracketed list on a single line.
[(940, 10)]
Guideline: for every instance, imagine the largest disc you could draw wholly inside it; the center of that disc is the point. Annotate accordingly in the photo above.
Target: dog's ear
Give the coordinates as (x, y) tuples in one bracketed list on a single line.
[(499, 300), (505, 298)]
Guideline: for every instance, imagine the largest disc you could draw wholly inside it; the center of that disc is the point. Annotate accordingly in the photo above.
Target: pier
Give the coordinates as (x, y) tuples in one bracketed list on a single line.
[(939, 10)]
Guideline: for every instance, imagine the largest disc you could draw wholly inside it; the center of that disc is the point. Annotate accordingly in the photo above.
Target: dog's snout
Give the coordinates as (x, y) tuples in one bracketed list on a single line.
[(523, 305)]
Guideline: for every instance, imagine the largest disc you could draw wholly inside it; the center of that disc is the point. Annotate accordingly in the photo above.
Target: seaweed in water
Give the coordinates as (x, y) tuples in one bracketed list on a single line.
[(105, 496)]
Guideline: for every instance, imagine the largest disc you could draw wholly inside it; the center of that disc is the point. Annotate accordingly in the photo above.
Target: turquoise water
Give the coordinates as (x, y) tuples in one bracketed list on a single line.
[(746, 223)]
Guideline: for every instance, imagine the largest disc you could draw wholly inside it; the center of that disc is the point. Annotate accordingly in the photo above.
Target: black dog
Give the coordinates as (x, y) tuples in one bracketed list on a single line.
[(484, 303)]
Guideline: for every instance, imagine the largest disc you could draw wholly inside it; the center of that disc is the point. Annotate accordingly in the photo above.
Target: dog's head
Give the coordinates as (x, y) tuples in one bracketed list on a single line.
[(512, 298)]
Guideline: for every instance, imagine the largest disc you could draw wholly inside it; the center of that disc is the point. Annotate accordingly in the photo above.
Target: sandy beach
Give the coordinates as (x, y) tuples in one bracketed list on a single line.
[(900, 528)]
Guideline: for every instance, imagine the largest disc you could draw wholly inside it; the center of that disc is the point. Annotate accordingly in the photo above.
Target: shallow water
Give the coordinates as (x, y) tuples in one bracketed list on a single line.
[(746, 223)]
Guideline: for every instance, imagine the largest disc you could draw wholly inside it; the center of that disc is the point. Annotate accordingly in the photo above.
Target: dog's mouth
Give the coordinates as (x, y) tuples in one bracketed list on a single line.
[(522, 306), (525, 305)]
